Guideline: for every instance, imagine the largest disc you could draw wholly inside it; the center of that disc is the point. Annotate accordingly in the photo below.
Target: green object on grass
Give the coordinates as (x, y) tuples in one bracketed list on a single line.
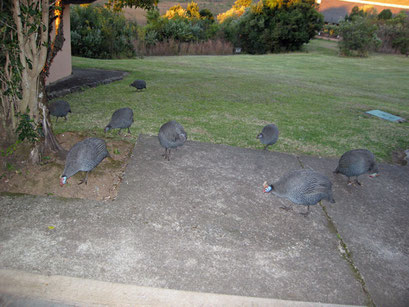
[(387, 116)]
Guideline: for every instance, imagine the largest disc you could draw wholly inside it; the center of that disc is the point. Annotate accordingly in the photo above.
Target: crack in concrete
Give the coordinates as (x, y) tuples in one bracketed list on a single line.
[(347, 255), (344, 250)]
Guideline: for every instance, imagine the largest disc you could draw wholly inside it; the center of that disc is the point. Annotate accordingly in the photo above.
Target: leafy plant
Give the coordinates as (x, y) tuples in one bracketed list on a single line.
[(25, 128), (277, 26), (358, 36), (97, 32), (10, 167), (10, 149), (385, 14), (400, 40)]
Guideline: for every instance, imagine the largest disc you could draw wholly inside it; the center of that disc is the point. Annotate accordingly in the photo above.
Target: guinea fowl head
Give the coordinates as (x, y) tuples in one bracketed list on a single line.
[(260, 136), (107, 128), (374, 171), (267, 188), (63, 180)]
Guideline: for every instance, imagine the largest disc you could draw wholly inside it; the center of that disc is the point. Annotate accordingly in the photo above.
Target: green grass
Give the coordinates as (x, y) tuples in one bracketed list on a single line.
[(317, 99)]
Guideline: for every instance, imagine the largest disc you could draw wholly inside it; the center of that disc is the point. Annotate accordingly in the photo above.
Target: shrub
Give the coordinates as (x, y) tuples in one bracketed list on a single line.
[(180, 25), (206, 14), (172, 47), (358, 36), (400, 32), (281, 25), (97, 32), (385, 14), (181, 31), (230, 30), (330, 30), (238, 9)]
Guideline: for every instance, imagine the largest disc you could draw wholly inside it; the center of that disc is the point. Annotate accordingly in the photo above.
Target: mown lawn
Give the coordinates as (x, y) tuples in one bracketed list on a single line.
[(316, 98)]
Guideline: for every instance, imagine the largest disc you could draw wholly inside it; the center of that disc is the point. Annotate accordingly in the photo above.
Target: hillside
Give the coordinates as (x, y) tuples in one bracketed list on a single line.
[(215, 6)]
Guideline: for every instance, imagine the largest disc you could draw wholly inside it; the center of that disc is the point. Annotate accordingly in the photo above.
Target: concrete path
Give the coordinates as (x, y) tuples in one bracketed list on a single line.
[(201, 223)]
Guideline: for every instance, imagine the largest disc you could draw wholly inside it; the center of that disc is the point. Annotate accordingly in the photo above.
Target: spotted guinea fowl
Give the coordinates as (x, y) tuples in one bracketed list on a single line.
[(302, 187), (122, 119), (357, 162), (269, 135), (171, 135), (138, 84), (84, 156), (59, 108)]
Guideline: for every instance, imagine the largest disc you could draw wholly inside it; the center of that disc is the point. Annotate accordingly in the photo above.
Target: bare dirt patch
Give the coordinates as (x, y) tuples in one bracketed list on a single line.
[(17, 175)]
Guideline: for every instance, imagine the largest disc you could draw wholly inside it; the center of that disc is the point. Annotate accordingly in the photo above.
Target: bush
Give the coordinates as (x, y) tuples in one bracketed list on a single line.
[(181, 31), (358, 36), (172, 47), (277, 26), (400, 33), (385, 14), (97, 32), (180, 26), (230, 30), (330, 30)]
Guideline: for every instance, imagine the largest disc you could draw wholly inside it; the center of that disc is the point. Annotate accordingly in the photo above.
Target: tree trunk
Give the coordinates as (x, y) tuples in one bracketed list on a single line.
[(35, 58)]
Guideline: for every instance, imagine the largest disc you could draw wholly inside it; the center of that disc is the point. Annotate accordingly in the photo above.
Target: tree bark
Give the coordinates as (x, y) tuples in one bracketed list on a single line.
[(35, 57)]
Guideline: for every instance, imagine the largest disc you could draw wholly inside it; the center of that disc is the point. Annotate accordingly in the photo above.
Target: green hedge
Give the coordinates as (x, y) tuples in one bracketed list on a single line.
[(97, 32)]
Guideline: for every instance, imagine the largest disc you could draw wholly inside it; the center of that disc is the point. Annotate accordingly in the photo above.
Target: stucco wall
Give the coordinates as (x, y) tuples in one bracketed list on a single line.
[(61, 66)]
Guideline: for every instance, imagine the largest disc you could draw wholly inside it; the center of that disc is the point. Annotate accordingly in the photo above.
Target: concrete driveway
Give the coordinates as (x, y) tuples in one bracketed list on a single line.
[(200, 223)]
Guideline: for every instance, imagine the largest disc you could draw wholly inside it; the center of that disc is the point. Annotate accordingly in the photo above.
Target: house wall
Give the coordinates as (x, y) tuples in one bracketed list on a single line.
[(334, 10), (61, 66)]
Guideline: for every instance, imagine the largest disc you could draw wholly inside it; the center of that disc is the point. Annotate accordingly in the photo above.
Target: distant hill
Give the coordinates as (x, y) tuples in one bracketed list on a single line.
[(215, 6)]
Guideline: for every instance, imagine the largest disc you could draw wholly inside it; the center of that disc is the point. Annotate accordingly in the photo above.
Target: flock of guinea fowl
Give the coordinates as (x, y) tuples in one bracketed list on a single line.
[(302, 187)]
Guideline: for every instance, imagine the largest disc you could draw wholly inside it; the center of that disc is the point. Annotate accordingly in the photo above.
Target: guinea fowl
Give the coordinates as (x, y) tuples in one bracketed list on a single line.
[(59, 108), (171, 135), (357, 162), (138, 84), (303, 187), (122, 119), (84, 156), (269, 135)]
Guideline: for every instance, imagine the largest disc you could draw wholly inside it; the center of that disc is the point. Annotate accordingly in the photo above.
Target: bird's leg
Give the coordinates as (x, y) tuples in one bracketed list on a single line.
[(165, 154), (265, 147), (65, 117), (349, 181), (129, 131), (357, 182), (85, 179), (169, 155), (306, 213), (119, 132), (56, 120)]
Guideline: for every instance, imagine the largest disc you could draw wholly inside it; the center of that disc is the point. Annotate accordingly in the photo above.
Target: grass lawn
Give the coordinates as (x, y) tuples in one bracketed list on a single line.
[(316, 98)]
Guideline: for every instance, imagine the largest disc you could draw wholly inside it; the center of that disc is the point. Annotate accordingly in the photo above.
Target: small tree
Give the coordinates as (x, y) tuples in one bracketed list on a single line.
[(25, 57), (279, 25), (385, 14), (400, 35), (358, 36), (97, 32)]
